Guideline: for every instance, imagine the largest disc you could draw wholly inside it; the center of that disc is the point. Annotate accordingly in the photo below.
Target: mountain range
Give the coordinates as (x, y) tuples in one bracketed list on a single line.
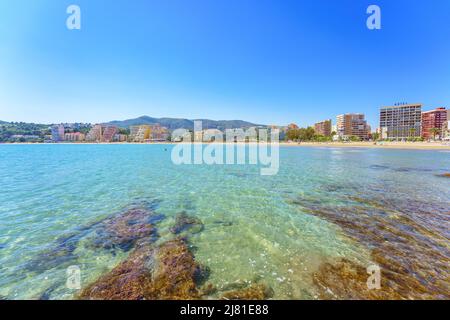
[(175, 123)]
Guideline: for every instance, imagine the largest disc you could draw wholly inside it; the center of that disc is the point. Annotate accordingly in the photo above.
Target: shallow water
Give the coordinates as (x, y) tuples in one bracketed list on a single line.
[(278, 230)]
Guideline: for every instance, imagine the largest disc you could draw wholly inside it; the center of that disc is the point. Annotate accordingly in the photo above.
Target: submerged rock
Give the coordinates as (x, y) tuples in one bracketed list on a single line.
[(208, 289), (253, 292), (347, 280), (120, 231), (58, 254), (47, 293), (126, 281), (174, 273), (125, 230), (407, 241), (444, 175), (185, 223), (166, 272)]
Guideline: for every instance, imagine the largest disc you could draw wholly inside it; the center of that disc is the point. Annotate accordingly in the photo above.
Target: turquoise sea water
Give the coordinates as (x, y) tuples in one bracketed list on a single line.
[(256, 228)]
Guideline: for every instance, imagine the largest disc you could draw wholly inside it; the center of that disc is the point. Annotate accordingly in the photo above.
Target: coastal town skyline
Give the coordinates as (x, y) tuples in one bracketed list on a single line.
[(401, 121), (374, 123)]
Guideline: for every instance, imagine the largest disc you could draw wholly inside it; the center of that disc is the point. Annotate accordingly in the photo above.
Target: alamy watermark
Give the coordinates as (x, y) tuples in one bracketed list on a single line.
[(374, 280), (73, 280), (213, 147), (73, 22), (374, 20)]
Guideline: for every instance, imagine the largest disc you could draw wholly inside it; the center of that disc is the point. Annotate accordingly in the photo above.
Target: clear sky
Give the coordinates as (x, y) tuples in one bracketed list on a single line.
[(270, 62)]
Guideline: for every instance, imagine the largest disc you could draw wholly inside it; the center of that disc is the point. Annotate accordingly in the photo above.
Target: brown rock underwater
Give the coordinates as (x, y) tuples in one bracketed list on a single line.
[(166, 272), (414, 256)]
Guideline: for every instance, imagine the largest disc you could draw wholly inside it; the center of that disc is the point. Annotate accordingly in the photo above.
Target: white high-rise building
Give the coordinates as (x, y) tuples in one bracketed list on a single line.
[(401, 121)]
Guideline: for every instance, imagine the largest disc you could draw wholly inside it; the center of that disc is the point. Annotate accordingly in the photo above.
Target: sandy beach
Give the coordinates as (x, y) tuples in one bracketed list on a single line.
[(381, 145)]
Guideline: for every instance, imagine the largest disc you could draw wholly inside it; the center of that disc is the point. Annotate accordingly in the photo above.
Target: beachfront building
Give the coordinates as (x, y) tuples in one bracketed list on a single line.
[(140, 133), (401, 121), (323, 128), (209, 135), (118, 137), (95, 134), (432, 123), (446, 130), (352, 125), (108, 133), (281, 129), (148, 133), (159, 133), (74, 136), (198, 135), (334, 128), (57, 133)]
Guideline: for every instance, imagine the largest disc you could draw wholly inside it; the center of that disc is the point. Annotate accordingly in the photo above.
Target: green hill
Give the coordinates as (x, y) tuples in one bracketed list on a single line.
[(175, 123)]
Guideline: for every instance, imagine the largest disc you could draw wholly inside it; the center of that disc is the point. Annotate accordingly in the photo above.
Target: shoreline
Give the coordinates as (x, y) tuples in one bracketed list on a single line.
[(362, 145), (374, 145)]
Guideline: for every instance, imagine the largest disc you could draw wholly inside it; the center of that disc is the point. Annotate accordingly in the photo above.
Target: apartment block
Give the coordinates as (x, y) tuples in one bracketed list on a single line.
[(95, 134), (74, 136), (352, 124), (323, 128), (159, 133), (146, 133), (120, 137), (433, 122), (140, 133), (446, 130), (401, 121), (57, 133), (108, 133)]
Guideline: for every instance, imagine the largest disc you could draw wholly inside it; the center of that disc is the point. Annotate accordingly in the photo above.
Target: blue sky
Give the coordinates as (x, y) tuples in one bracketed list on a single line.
[(271, 62)]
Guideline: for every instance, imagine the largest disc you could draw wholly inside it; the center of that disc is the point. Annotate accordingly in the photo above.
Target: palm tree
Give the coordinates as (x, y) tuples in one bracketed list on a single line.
[(394, 134), (434, 132), (375, 136)]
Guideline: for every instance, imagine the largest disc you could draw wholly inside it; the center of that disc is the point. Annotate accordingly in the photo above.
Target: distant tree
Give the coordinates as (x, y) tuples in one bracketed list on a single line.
[(306, 134), (354, 138), (293, 134), (7, 130), (125, 131), (376, 136), (320, 138)]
